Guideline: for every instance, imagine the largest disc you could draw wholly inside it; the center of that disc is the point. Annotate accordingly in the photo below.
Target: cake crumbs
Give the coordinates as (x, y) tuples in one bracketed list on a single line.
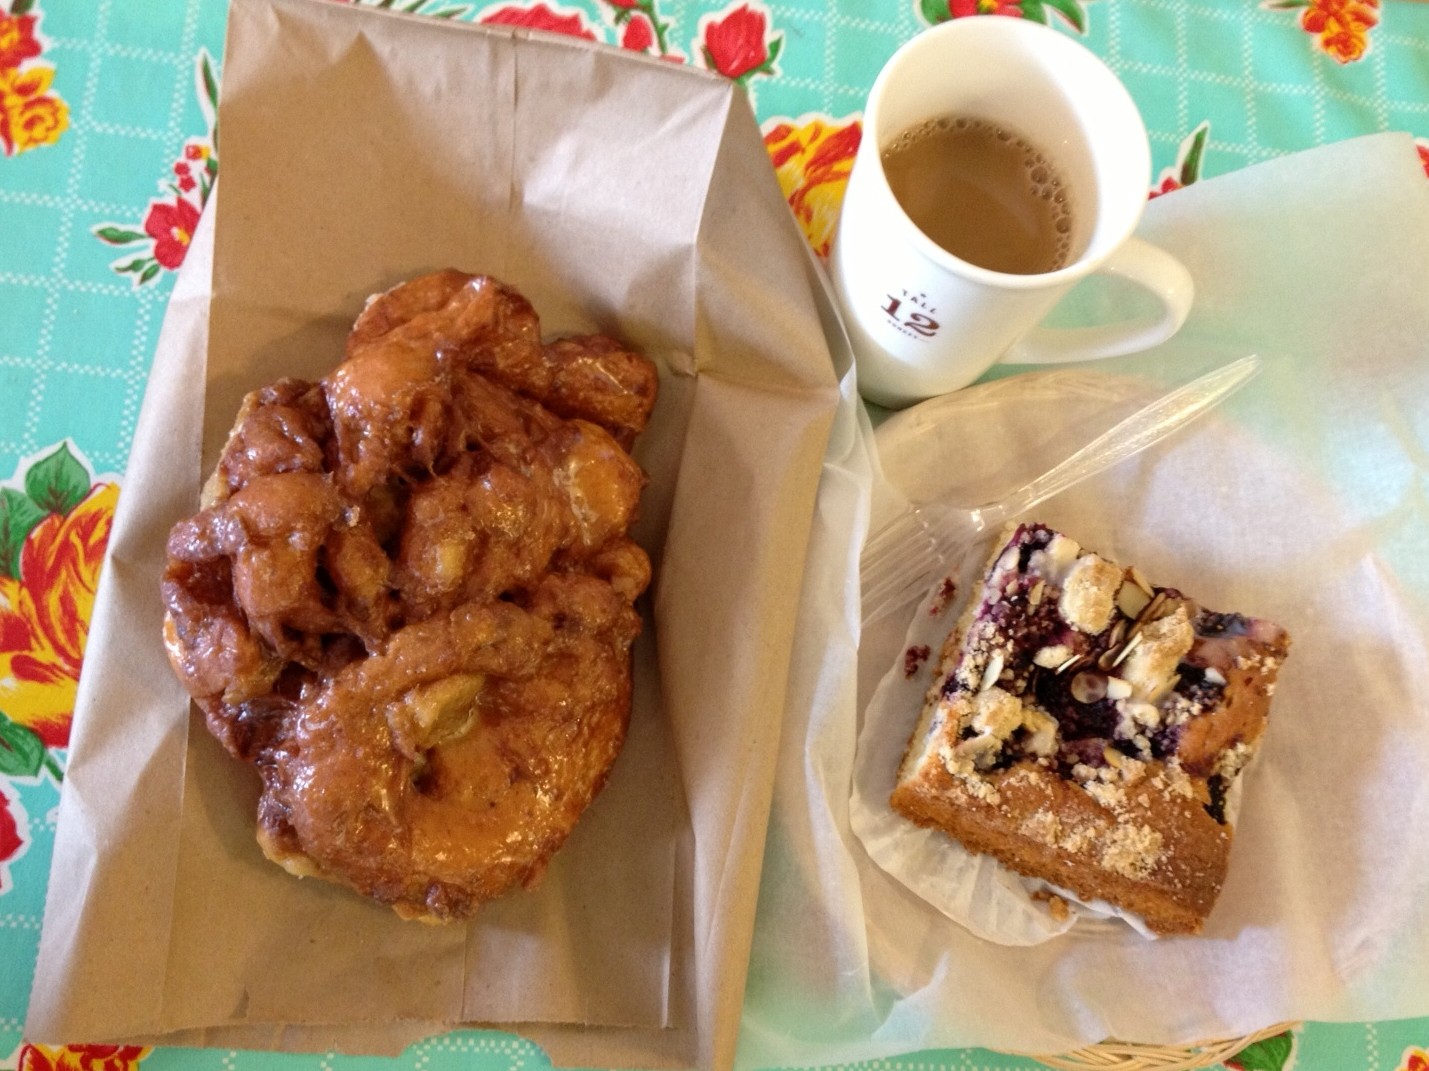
[(1110, 796), (947, 592), (1058, 908), (959, 763), (1043, 826), (1173, 780), (1132, 851), (1077, 839), (1233, 759), (913, 659)]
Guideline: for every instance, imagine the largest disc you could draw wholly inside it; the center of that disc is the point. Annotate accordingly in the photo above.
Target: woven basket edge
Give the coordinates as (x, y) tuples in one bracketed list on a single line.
[(1133, 1056)]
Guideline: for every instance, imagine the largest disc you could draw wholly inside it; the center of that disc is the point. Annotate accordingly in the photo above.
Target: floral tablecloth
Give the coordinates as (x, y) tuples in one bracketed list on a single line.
[(108, 154)]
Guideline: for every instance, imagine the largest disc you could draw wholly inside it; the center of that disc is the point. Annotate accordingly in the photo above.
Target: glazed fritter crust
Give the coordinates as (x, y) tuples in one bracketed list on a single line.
[(408, 597)]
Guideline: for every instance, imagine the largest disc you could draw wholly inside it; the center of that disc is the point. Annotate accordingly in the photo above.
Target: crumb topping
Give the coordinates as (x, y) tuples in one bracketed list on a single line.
[(1233, 760), (961, 763), (1044, 826), (1058, 554), (1052, 656), (1132, 851), (996, 713), (1110, 796), (1086, 668), (1150, 667), (1089, 594), (1042, 731), (1175, 781)]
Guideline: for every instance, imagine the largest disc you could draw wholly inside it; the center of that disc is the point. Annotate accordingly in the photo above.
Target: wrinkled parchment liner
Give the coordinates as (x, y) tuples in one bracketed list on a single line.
[(1302, 499)]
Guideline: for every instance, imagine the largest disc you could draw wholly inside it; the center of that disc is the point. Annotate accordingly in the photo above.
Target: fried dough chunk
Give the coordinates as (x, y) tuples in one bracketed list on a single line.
[(408, 598), (481, 324)]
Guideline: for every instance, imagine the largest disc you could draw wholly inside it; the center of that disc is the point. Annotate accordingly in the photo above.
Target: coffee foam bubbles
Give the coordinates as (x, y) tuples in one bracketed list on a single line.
[(1043, 181)]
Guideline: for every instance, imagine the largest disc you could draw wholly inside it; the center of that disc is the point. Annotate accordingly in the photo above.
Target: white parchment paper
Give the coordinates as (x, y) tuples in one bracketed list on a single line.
[(1302, 499)]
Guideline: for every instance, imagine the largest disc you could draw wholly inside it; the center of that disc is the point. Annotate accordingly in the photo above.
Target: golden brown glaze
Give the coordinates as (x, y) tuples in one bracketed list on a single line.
[(408, 597)]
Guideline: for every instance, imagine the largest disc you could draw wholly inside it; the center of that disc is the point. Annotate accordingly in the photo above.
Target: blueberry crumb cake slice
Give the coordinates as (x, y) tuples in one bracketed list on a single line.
[(1085, 727)]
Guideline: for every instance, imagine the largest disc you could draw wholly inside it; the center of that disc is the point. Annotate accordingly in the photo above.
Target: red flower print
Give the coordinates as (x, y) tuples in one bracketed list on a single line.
[(1188, 163), (10, 842), (1072, 12), (961, 8), (812, 159), (161, 241), (172, 227), (1415, 1059), (17, 39), (638, 35), (642, 29), (44, 614), (1422, 147), (735, 43), (14, 834), (1340, 27), (1168, 184), (540, 17), (81, 1057)]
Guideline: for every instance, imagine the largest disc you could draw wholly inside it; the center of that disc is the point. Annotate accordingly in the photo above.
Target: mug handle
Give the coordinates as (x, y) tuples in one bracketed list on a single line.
[(1142, 263)]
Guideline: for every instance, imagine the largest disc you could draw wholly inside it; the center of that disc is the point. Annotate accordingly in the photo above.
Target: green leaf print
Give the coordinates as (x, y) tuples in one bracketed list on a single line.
[(59, 482), (1191, 165), (210, 81), (934, 11), (119, 235), (1268, 1054), (1072, 11), (18, 514), (21, 750)]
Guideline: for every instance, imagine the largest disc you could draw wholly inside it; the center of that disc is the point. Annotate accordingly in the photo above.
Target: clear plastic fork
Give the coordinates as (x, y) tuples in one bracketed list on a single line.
[(904, 557)]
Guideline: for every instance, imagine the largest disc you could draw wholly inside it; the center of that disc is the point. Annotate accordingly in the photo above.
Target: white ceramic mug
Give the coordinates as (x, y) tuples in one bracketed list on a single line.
[(925, 322)]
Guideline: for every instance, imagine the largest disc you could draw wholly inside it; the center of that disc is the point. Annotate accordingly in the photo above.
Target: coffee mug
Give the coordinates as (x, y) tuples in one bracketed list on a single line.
[(970, 103)]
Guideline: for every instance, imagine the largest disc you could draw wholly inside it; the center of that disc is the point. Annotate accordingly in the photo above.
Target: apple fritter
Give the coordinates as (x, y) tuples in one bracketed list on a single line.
[(408, 597)]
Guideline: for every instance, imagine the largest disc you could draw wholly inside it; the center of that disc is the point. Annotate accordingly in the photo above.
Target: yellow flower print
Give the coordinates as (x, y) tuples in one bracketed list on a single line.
[(813, 160), (44, 614), (30, 114)]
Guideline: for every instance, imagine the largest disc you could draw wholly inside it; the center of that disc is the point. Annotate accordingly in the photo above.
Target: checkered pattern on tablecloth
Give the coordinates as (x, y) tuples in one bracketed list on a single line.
[(76, 338)]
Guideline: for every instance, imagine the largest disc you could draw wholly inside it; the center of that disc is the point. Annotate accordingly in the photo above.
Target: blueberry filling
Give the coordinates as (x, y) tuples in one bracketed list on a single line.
[(1027, 628), (1166, 740), (1216, 808), (1197, 688), (1077, 720), (1021, 615), (1033, 537), (1085, 751), (1210, 623)]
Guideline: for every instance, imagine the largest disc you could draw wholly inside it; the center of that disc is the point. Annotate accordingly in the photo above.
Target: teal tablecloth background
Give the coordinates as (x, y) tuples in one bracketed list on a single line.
[(107, 151)]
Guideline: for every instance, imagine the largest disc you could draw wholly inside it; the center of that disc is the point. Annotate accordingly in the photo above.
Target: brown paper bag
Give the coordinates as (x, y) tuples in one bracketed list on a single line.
[(622, 195)]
